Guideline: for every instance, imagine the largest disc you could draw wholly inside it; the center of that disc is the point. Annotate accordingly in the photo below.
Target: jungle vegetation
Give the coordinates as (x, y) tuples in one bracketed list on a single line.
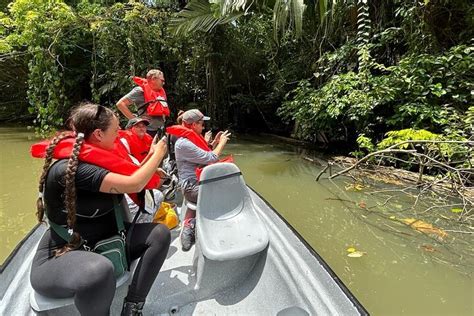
[(343, 73)]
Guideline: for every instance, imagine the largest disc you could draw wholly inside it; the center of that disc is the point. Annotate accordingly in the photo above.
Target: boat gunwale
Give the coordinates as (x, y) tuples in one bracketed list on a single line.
[(318, 257), (17, 248)]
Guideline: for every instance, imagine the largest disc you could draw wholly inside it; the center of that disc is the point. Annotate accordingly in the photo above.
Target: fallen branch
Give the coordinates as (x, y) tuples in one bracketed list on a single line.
[(370, 156)]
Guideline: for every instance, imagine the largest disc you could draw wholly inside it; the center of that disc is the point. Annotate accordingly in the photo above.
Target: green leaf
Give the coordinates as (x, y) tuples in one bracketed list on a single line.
[(200, 16)]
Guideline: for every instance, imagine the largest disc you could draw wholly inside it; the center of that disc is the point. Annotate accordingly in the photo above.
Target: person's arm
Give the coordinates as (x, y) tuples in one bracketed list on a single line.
[(123, 106), (222, 141), (116, 183), (135, 96), (187, 151)]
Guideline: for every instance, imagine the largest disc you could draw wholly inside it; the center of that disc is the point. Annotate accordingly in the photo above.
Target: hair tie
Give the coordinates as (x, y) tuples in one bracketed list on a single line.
[(40, 195), (80, 135)]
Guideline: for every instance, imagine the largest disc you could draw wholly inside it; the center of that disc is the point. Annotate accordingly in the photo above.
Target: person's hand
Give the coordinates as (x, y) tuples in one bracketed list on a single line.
[(161, 146), (216, 140), (162, 173), (224, 137), (208, 136)]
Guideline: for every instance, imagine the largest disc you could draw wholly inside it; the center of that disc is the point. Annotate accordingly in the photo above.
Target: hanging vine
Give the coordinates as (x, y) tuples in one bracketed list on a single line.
[(363, 35)]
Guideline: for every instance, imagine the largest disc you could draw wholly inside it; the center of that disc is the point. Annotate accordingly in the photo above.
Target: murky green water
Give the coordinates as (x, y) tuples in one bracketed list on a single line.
[(396, 275), (401, 271), (18, 187)]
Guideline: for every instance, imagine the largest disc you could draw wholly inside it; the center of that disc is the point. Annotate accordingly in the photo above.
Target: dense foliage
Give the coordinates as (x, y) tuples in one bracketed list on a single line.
[(335, 71), (422, 91), (414, 72)]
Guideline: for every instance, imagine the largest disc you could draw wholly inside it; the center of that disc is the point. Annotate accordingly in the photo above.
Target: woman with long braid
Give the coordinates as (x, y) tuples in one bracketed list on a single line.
[(79, 196)]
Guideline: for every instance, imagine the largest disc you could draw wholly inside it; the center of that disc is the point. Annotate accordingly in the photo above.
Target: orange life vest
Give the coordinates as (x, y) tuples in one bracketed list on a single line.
[(159, 106), (113, 160), (195, 138), (139, 147)]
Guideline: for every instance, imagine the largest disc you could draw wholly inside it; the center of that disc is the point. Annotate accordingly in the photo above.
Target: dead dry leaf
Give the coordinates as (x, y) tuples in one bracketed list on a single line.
[(356, 254), (426, 228), (355, 187), (428, 248)]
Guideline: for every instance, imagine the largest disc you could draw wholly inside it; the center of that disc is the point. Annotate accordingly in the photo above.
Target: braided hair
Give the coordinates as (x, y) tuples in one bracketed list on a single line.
[(47, 164)]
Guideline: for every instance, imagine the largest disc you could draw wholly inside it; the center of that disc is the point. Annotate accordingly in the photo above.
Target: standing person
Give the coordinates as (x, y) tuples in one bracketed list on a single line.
[(135, 138), (150, 98), (79, 196), (192, 151)]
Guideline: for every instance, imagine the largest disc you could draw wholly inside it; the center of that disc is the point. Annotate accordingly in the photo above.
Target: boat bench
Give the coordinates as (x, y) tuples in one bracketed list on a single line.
[(40, 303), (229, 234)]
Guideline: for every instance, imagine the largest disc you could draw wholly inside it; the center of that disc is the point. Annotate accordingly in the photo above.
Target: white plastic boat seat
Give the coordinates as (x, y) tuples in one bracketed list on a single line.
[(227, 226), (40, 303)]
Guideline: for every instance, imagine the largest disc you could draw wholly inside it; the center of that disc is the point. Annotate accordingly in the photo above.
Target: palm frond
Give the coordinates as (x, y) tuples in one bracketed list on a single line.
[(288, 14), (229, 6), (205, 15), (200, 15)]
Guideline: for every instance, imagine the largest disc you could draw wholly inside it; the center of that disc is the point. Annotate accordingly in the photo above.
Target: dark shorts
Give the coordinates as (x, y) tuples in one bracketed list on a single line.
[(191, 193)]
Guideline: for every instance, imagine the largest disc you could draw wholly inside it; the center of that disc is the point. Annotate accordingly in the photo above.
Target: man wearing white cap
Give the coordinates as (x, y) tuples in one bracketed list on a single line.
[(192, 151)]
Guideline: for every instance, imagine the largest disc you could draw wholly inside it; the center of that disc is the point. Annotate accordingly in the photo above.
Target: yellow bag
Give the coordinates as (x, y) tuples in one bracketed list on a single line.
[(166, 215)]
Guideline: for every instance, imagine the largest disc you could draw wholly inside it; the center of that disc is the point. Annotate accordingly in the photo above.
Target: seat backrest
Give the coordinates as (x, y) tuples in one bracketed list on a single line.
[(224, 184), (227, 224)]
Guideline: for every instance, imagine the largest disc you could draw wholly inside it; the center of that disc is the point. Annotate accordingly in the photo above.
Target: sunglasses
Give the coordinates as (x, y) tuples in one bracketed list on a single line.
[(158, 78)]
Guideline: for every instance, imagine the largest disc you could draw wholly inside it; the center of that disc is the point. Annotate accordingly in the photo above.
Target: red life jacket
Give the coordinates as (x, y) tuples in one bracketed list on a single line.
[(160, 106), (196, 139), (139, 147), (115, 160)]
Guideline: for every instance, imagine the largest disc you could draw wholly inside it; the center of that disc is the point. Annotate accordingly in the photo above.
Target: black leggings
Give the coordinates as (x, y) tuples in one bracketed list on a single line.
[(89, 277)]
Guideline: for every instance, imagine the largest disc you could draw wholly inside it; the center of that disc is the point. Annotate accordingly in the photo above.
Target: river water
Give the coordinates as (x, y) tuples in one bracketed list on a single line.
[(400, 271)]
